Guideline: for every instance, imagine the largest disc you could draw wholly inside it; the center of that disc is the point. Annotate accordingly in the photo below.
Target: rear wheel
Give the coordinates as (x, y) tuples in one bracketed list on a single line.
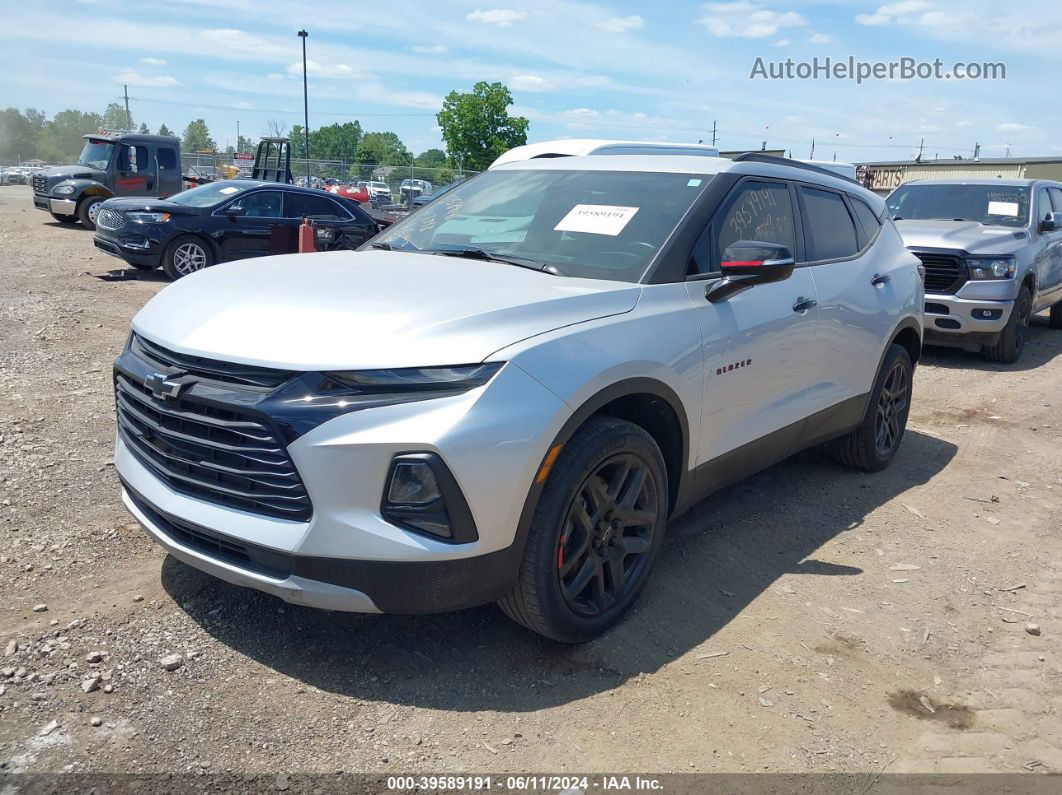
[(64, 219), (595, 534), (1056, 315), (87, 210), (873, 444), (185, 255), (1011, 340)]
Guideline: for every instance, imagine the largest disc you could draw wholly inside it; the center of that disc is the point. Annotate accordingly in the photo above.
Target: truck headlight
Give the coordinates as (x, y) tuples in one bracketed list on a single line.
[(985, 268), (148, 218), (64, 190)]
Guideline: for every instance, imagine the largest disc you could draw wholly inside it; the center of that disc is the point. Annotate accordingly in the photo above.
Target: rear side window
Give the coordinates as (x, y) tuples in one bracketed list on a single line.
[(300, 205), (866, 218), (1056, 199), (829, 230), (167, 159), (754, 211)]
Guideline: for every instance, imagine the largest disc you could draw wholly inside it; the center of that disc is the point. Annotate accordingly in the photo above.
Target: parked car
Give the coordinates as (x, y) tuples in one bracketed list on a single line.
[(357, 194), (218, 222), (441, 419), (6, 177), (379, 192), (580, 147), (111, 164), (420, 201), (992, 252), (411, 188)]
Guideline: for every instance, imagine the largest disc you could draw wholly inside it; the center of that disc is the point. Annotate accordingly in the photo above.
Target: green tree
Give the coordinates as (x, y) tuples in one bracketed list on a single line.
[(197, 136), (144, 129), (164, 130), (115, 117), (245, 144), (62, 137), (433, 158), (336, 141), (17, 138), (477, 126)]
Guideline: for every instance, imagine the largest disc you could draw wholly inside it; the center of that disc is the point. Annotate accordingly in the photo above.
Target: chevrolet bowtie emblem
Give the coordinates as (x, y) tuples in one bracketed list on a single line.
[(164, 386)]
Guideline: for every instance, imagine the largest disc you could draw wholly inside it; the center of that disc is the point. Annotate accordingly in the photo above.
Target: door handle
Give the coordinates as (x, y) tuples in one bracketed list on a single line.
[(804, 304), (880, 279)]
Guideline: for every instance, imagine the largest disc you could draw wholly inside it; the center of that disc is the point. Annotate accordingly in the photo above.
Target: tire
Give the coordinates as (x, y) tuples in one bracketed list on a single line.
[(187, 254), (141, 266), (64, 219), (873, 444), (1056, 315), (578, 577), (1011, 340), (87, 209)]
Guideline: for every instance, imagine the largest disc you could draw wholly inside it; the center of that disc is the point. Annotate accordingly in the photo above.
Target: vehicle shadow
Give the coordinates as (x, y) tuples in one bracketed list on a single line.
[(1042, 345), (132, 275), (719, 557)]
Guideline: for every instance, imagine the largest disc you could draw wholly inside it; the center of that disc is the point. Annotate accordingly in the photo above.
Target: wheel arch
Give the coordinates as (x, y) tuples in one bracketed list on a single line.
[(909, 336)]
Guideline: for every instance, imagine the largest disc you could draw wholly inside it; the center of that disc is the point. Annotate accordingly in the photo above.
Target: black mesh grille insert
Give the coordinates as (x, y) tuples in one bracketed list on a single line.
[(944, 273)]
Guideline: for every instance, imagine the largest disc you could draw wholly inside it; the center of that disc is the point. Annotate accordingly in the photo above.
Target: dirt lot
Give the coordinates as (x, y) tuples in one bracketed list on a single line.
[(809, 619)]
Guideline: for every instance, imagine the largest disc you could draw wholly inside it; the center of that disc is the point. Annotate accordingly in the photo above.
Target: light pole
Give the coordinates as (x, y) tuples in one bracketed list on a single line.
[(237, 135), (305, 106)]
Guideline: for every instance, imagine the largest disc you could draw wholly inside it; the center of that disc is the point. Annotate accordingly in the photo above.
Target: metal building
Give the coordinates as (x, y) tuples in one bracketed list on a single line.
[(884, 176)]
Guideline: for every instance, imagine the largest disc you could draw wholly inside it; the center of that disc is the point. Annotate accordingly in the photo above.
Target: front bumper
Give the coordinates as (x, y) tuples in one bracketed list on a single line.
[(346, 556), (57, 206), (137, 249), (960, 321)]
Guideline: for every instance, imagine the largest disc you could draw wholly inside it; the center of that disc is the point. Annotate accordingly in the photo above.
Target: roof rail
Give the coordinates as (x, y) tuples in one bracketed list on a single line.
[(758, 157)]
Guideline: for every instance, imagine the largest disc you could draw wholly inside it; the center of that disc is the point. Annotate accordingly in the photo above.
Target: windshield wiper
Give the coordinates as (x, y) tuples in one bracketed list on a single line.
[(384, 246), (490, 256)]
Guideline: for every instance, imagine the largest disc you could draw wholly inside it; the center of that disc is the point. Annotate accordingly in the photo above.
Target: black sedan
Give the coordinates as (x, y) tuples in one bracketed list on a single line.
[(222, 221)]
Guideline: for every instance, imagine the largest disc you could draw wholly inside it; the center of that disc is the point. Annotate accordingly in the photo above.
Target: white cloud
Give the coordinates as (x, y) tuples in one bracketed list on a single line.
[(820, 38), (242, 105), (1012, 126), (153, 61), (134, 78), (437, 49), (905, 12), (317, 69), (781, 43), (621, 24), (502, 17), (747, 20), (530, 83)]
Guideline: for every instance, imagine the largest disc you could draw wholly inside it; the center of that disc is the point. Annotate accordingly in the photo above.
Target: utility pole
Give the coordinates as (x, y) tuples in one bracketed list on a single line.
[(921, 146), (305, 105), (128, 117), (811, 156), (237, 135), (977, 151), (715, 129)]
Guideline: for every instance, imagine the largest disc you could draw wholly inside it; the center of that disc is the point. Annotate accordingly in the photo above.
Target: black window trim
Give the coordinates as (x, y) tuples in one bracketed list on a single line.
[(856, 226)]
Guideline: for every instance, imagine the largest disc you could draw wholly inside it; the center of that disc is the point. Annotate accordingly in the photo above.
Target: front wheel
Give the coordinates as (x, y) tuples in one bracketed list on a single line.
[(1011, 340), (87, 210), (874, 442), (186, 255), (595, 534)]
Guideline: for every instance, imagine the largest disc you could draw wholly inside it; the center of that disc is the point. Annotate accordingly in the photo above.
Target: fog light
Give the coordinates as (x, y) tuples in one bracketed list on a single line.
[(987, 314), (413, 483)]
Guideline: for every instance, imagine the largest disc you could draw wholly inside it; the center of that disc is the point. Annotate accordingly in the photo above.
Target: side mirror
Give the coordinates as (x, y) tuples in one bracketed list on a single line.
[(233, 211), (1052, 222), (750, 262)]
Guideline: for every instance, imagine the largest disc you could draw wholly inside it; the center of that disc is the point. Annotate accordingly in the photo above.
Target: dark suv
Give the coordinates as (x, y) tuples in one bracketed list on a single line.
[(111, 164)]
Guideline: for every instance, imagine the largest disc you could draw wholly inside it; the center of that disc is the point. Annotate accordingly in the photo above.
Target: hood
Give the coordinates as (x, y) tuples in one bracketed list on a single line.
[(59, 173), (968, 236), (347, 310), (147, 203)]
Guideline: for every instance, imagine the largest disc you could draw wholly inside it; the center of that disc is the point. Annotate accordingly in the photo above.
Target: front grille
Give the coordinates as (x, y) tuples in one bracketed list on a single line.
[(209, 369), (109, 219), (944, 272), (222, 455), (221, 547), (40, 183)]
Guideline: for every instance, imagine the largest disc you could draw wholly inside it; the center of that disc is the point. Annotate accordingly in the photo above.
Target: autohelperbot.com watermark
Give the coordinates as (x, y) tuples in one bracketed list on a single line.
[(851, 68)]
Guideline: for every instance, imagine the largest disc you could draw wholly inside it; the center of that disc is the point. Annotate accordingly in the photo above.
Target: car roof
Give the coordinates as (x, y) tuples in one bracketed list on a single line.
[(1010, 183), (575, 147), (694, 164), (116, 137)]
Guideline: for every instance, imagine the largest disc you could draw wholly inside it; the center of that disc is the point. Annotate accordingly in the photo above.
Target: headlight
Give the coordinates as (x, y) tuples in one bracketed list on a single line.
[(458, 378), (64, 190), (148, 218), (983, 268)]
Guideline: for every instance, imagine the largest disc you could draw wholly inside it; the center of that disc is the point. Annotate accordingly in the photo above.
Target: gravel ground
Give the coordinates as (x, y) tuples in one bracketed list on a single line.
[(808, 619)]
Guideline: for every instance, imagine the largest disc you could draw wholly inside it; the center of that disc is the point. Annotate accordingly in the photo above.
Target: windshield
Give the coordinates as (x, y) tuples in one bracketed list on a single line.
[(210, 194), (96, 154), (591, 224), (998, 205)]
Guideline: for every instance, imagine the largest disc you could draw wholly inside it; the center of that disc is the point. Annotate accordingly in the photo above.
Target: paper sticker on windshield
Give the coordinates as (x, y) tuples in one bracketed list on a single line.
[(228, 190), (596, 219), (1009, 209)]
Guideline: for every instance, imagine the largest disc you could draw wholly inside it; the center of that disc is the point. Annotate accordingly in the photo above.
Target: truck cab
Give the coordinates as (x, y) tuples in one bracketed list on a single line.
[(111, 164)]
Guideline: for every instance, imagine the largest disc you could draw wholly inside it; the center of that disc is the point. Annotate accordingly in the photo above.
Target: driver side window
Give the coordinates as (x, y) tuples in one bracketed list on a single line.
[(754, 211), (264, 204)]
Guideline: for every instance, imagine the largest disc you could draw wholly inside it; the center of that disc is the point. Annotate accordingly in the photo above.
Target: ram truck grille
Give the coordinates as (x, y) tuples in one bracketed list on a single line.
[(944, 272)]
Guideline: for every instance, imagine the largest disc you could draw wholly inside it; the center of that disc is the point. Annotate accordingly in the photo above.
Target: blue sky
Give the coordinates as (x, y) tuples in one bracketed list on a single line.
[(663, 71)]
